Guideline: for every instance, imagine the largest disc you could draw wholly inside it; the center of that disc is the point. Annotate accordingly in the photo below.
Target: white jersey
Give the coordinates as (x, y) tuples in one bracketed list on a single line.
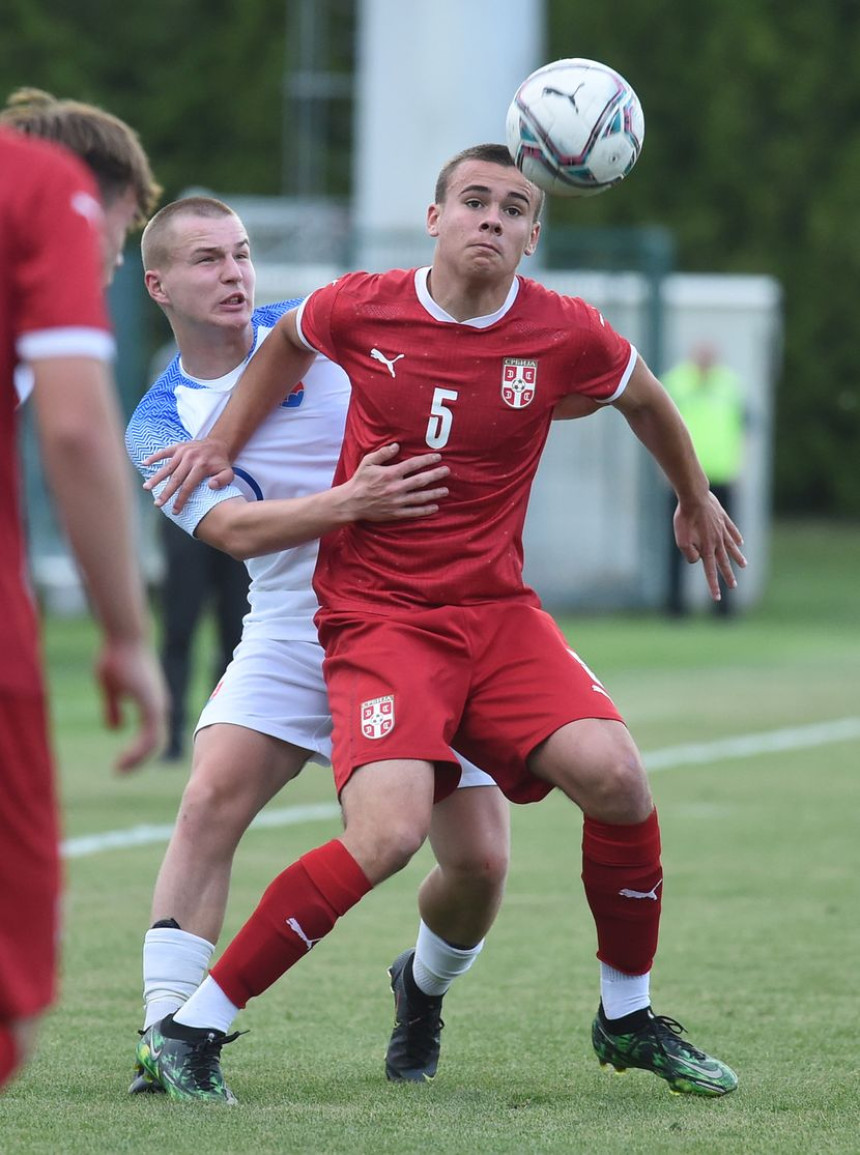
[(292, 454)]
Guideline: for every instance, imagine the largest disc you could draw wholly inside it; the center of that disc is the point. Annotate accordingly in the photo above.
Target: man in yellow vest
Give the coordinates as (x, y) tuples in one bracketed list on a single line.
[(710, 398)]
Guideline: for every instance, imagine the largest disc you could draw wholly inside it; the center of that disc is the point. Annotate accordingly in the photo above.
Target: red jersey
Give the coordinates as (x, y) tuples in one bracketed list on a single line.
[(51, 304), (481, 392)]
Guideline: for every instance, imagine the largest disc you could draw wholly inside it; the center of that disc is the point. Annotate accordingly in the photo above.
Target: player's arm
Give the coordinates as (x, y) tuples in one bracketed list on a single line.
[(703, 530), (575, 405), (81, 446), (375, 492), (276, 367)]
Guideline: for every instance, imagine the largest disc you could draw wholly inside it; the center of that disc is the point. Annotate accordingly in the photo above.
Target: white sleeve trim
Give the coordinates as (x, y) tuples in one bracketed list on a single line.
[(74, 341), (625, 377), (299, 314)]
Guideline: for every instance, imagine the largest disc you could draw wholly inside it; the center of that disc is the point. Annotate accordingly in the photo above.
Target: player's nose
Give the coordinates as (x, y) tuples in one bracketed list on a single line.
[(492, 222)]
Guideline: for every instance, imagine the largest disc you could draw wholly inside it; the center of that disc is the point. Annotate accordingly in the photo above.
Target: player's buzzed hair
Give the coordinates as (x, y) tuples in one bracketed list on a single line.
[(488, 154), (107, 145), (156, 240)]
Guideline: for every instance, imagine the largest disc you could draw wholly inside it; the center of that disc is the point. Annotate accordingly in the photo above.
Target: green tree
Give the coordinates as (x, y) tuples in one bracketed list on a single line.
[(752, 159), (201, 80)]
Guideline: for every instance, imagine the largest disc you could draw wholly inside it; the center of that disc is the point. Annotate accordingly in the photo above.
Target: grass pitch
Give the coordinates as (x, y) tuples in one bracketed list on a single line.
[(759, 939)]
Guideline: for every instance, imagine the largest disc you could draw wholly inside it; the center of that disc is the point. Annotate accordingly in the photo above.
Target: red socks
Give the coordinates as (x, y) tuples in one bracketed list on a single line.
[(624, 885), (298, 909), (620, 870)]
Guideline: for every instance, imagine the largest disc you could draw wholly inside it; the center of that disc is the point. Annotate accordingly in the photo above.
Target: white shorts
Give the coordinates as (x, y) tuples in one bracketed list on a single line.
[(276, 687)]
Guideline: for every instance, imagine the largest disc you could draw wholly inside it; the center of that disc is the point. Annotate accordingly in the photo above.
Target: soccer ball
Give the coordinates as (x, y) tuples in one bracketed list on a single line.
[(575, 127)]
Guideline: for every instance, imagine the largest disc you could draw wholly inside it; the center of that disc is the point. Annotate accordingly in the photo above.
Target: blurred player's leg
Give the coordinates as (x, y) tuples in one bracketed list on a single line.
[(183, 599), (10, 1053), (29, 874)]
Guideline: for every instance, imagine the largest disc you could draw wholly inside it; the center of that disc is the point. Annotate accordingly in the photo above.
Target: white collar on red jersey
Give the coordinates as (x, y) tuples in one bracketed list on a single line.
[(439, 314)]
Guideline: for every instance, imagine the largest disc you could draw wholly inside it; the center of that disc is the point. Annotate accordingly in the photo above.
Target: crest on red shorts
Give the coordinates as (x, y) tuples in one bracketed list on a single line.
[(377, 717), (519, 382)]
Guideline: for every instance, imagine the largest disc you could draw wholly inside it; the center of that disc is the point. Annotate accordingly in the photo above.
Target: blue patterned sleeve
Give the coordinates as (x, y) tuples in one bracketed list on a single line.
[(156, 424)]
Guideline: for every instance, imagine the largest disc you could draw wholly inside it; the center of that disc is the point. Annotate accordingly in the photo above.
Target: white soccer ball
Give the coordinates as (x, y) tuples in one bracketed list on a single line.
[(575, 127)]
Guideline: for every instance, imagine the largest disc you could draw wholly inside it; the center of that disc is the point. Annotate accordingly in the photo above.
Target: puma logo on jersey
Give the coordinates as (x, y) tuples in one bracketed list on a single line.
[(377, 356), (294, 925), (625, 893)]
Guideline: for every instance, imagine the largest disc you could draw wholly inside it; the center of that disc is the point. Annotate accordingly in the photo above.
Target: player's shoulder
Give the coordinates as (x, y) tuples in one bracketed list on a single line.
[(170, 377), (35, 155), (361, 284), (33, 166), (532, 290), (267, 316), (158, 404), (570, 310)]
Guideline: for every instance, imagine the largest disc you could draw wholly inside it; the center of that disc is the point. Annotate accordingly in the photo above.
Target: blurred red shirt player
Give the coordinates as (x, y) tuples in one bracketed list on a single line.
[(53, 319)]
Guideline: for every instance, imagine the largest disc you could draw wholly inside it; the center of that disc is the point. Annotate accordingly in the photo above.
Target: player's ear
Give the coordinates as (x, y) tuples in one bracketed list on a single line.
[(152, 281), (533, 239), (433, 221)]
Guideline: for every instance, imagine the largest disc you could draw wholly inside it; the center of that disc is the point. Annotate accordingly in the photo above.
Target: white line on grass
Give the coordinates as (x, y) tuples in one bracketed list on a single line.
[(692, 754), (748, 745)]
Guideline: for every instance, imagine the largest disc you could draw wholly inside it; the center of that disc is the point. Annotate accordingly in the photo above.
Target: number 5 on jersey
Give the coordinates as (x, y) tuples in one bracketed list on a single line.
[(441, 418)]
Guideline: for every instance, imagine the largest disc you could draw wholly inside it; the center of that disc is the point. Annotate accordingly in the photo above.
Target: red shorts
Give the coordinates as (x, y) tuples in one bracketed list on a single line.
[(29, 861), (491, 681)]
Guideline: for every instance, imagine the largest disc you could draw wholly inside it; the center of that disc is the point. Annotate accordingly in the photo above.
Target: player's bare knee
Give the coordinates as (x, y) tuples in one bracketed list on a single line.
[(475, 866), (212, 801), (618, 791), (402, 840), (383, 849)]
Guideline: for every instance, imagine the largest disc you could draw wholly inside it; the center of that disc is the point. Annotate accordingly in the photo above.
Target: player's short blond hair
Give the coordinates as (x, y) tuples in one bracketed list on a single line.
[(157, 240), (107, 145)]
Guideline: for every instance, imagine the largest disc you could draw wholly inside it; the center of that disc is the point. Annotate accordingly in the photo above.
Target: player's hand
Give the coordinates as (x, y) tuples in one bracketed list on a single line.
[(187, 465), (704, 532), (378, 491), (127, 670)]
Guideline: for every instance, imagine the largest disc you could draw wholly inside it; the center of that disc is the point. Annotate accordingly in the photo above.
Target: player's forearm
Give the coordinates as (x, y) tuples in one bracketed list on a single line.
[(252, 529), (88, 474), (654, 418), (669, 443)]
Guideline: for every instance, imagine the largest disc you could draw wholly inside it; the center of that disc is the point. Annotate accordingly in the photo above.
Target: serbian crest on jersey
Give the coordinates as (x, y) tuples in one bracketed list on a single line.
[(377, 717), (519, 382)]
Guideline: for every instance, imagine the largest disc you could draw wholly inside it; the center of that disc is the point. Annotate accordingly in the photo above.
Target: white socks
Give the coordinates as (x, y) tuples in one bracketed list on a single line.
[(623, 994), (208, 1007), (174, 965), (436, 963)]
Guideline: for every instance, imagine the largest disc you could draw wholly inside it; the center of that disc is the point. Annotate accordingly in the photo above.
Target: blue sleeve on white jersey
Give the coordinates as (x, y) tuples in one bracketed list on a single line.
[(156, 424), (269, 315)]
